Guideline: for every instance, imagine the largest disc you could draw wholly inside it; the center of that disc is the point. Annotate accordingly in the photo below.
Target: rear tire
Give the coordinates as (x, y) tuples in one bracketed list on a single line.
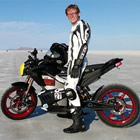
[(127, 103), (12, 105)]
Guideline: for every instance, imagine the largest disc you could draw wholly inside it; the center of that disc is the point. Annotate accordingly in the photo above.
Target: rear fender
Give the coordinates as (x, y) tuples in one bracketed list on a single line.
[(97, 91), (23, 85)]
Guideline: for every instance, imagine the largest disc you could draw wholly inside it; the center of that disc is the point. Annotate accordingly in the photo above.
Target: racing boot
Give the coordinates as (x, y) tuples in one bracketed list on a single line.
[(78, 124)]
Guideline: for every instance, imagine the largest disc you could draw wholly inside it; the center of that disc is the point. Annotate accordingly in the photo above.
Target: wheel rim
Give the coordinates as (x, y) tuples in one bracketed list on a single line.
[(14, 106), (125, 103)]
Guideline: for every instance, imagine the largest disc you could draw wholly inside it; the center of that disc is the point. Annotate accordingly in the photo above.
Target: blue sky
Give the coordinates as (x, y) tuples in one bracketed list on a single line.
[(115, 24)]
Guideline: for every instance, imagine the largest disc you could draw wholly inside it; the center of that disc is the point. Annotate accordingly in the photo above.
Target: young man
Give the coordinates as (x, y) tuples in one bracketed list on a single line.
[(78, 46), (77, 62)]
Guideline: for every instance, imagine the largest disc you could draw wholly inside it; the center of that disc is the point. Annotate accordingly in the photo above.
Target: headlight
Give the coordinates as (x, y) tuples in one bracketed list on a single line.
[(22, 69)]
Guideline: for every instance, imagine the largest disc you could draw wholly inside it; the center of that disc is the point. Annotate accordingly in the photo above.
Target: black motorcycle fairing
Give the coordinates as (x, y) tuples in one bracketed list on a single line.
[(43, 69), (52, 96), (23, 85), (51, 69), (47, 97), (89, 78), (93, 72), (35, 73), (94, 67)]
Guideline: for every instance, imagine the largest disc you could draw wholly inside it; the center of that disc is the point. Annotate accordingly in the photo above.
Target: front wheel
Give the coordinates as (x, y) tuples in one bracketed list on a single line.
[(126, 102), (13, 105)]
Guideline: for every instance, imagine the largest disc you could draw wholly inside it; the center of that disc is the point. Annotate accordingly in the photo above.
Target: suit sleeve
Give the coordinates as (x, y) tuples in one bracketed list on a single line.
[(83, 35)]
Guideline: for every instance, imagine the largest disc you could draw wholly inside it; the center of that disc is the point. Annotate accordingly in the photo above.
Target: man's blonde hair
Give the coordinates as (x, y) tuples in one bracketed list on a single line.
[(72, 6)]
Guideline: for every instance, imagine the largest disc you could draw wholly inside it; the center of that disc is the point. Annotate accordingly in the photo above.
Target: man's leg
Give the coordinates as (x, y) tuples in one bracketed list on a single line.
[(78, 124), (76, 110)]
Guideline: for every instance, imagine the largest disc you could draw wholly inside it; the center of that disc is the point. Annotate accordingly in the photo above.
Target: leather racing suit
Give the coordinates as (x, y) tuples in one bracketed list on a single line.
[(77, 61)]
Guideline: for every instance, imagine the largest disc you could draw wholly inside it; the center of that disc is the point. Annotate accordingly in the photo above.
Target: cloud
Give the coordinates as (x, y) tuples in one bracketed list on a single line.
[(22, 26), (28, 34), (38, 35)]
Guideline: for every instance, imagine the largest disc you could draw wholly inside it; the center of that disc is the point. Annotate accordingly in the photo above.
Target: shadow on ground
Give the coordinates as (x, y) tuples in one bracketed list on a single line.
[(88, 119), (38, 112), (91, 116)]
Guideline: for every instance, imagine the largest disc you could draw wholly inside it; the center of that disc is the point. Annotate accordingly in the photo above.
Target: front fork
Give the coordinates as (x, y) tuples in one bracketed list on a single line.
[(29, 81)]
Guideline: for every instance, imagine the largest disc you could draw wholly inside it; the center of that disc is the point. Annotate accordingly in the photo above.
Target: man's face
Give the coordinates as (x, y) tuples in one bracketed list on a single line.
[(73, 15)]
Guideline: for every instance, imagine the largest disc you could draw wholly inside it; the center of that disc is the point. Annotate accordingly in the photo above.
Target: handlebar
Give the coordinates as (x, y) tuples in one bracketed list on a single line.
[(34, 53), (32, 59)]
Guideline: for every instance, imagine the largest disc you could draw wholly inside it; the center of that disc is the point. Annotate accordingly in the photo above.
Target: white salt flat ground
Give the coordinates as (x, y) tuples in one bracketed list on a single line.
[(45, 126)]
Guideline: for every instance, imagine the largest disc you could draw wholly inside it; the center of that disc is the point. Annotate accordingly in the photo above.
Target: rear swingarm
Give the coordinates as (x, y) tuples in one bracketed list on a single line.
[(98, 106)]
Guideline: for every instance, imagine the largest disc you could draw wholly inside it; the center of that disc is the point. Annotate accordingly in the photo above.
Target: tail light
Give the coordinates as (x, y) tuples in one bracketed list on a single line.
[(118, 64)]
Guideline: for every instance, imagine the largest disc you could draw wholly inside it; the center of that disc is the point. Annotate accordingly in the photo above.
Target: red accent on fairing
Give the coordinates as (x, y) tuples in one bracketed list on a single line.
[(49, 82), (124, 118)]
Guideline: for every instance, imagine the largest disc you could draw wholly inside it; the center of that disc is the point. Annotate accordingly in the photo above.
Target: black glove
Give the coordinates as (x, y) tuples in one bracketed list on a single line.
[(75, 71), (76, 68)]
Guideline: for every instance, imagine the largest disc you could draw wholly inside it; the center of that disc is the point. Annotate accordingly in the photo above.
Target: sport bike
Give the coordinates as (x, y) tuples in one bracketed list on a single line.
[(115, 104)]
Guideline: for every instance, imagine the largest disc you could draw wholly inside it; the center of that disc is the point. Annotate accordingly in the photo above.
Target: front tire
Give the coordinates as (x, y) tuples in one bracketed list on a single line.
[(126, 101), (14, 107)]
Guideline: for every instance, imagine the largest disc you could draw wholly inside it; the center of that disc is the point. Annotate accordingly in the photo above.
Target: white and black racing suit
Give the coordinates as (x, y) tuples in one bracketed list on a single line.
[(77, 61)]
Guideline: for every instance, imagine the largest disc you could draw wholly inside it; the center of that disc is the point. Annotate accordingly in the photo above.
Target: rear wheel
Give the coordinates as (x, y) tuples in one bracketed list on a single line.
[(13, 105), (127, 107)]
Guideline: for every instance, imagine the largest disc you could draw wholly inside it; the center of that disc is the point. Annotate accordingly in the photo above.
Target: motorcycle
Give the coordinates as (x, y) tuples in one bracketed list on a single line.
[(115, 104)]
